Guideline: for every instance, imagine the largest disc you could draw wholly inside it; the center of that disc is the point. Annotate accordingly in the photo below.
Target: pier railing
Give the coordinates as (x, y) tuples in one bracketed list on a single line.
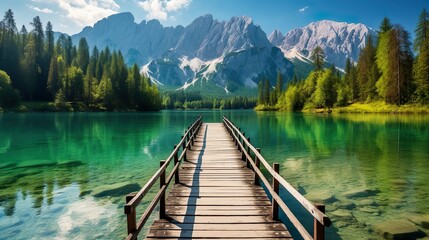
[(133, 200), (316, 210)]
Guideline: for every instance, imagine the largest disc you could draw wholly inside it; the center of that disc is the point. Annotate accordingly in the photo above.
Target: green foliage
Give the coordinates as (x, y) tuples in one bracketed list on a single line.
[(350, 78), (54, 83), (421, 65), (318, 58), (367, 71), (291, 100), (422, 31), (325, 94), (394, 59), (42, 69), (9, 97), (60, 101)]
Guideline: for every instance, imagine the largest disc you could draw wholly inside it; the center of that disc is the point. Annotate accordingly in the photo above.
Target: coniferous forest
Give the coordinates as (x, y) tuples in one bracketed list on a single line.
[(386, 71), (35, 67)]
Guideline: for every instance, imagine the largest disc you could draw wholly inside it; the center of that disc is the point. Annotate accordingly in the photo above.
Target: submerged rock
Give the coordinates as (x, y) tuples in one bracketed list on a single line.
[(341, 213), (361, 192), (115, 190), (398, 230), (421, 220), (321, 197), (345, 204), (366, 202), (70, 164), (372, 210)]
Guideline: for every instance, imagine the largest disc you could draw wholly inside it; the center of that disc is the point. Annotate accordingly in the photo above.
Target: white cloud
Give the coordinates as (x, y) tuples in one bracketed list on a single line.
[(42, 10), (87, 12), (303, 9), (159, 9)]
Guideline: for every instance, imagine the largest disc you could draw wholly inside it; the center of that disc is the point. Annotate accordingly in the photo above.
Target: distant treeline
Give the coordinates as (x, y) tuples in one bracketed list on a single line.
[(41, 69), (194, 100), (385, 71)]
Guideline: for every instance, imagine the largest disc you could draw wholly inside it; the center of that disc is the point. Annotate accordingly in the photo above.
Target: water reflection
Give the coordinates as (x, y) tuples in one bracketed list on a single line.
[(366, 168)]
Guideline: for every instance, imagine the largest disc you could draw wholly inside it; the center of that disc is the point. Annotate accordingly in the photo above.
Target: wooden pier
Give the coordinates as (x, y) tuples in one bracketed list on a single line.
[(217, 192)]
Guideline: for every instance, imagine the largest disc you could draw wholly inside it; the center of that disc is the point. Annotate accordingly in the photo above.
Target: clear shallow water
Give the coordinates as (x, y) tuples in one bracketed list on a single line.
[(56, 169)]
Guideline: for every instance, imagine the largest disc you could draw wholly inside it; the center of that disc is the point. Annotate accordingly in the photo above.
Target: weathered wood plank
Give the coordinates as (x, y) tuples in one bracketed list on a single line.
[(164, 224), (216, 197), (218, 234)]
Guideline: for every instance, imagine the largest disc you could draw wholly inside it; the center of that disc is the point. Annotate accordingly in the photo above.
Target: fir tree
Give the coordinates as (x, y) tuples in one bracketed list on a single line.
[(53, 77), (318, 58)]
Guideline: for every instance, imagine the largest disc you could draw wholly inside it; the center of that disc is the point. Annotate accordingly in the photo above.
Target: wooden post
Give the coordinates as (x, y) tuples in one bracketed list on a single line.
[(131, 217), (275, 205), (176, 160), (319, 229), (162, 199), (238, 139), (192, 137), (248, 151), (257, 163), (184, 148)]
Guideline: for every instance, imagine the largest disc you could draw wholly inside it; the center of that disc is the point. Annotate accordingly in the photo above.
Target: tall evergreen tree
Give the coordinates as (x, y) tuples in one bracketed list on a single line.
[(54, 83), (367, 71), (50, 44), (385, 25), (395, 63), (421, 65), (422, 31), (318, 58), (83, 57)]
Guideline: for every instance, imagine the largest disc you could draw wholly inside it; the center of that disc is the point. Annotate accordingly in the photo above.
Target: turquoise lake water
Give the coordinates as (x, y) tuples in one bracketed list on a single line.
[(57, 169)]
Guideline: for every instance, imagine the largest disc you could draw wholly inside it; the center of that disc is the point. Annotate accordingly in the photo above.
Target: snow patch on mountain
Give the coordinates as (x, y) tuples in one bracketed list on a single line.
[(339, 40)]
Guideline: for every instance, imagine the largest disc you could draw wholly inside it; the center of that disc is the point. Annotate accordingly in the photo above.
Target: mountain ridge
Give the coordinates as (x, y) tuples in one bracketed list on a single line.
[(232, 54)]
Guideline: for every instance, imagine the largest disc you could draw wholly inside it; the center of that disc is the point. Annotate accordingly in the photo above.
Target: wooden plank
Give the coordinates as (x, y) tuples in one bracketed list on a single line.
[(164, 224), (216, 197), (218, 234)]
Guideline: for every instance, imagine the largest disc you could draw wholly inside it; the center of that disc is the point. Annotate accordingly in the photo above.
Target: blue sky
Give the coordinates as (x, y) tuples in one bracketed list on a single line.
[(71, 16)]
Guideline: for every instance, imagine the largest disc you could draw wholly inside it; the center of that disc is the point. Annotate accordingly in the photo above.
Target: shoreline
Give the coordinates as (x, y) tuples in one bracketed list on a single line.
[(365, 108)]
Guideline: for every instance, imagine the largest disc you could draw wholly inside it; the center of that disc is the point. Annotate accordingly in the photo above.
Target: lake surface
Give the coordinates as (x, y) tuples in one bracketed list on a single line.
[(57, 169)]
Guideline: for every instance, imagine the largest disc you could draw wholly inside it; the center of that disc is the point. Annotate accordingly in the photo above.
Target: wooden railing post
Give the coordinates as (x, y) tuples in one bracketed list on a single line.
[(184, 147), (275, 205), (131, 217), (319, 229), (238, 139), (162, 199), (248, 151), (243, 147), (176, 160), (192, 137), (257, 163)]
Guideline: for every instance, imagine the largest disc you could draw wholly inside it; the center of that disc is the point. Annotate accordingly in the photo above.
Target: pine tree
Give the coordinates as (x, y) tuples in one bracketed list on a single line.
[(318, 58), (422, 31), (394, 58), (366, 66), (53, 77), (385, 25), (421, 65), (49, 41), (279, 87), (83, 57), (267, 89)]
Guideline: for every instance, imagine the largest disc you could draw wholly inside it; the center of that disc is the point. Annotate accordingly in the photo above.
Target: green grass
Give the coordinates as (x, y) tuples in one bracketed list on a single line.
[(381, 107), (264, 107)]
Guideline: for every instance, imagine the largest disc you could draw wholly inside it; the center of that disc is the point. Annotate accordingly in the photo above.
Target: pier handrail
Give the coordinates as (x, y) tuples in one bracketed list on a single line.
[(134, 199), (317, 211)]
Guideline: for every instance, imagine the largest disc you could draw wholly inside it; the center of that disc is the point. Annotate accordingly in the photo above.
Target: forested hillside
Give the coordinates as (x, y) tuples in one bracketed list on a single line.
[(385, 71), (41, 69)]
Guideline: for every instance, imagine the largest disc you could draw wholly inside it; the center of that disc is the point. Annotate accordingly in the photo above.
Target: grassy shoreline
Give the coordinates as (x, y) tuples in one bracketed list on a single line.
[(372, 107)]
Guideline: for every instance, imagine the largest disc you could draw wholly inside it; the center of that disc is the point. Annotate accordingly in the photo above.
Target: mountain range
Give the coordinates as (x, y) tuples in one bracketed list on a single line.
[(218, 57)]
